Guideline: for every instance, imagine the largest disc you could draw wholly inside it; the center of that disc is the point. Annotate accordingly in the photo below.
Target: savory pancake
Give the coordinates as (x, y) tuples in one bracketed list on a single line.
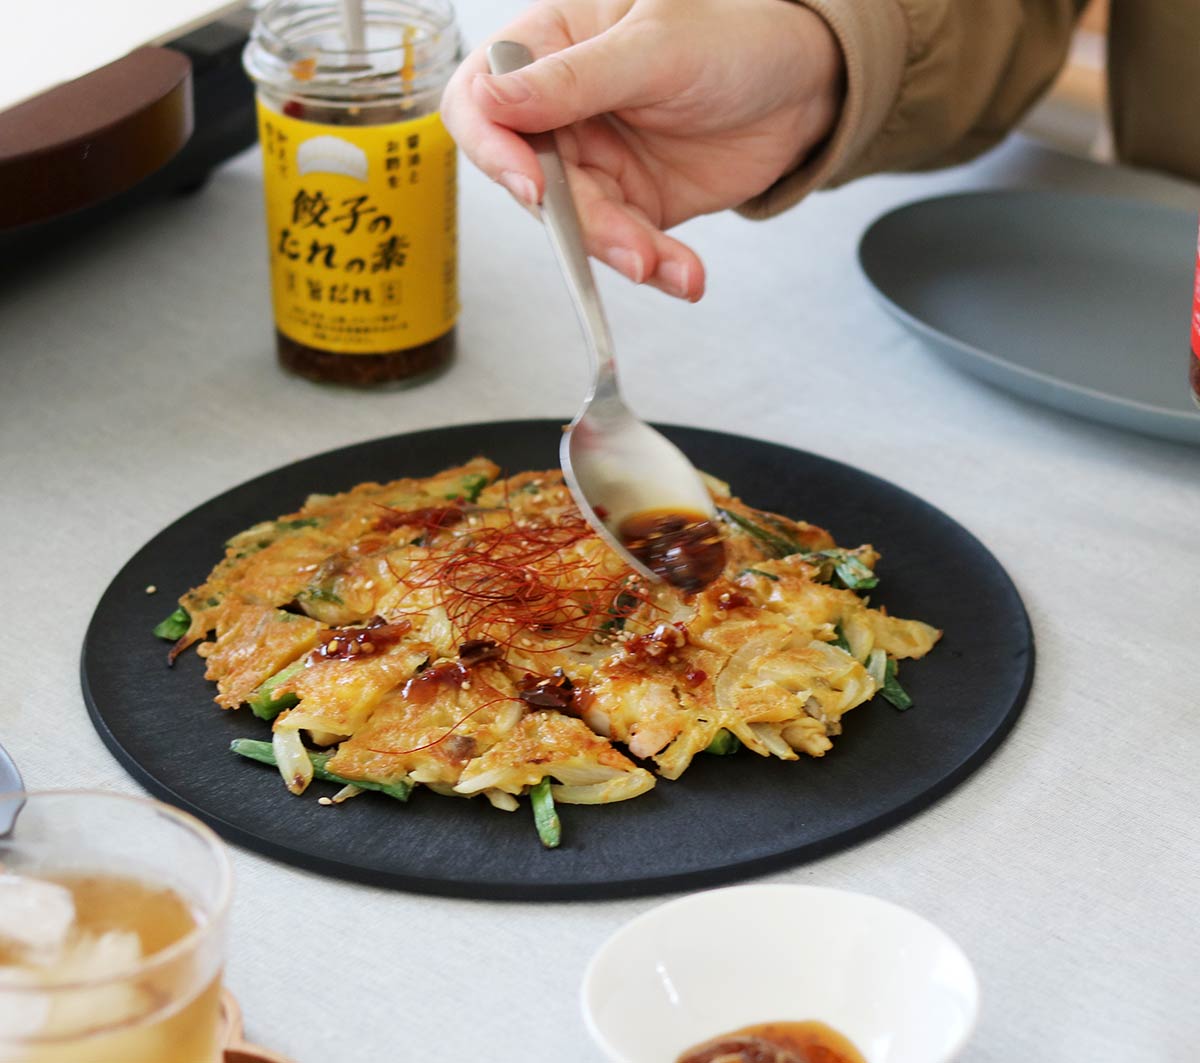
[(473, 635)]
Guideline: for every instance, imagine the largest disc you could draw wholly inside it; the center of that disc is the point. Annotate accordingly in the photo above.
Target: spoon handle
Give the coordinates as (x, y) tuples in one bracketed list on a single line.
[(562, 224)]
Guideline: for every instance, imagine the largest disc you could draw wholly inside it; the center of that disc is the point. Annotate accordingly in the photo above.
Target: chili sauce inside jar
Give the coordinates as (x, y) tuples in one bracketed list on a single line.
[(359, 176)]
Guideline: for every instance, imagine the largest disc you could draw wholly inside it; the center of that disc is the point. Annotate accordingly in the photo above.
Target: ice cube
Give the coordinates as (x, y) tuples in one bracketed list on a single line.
[(21, 1016), (80, 992), (35, 917), (92, 956), (90, 960)]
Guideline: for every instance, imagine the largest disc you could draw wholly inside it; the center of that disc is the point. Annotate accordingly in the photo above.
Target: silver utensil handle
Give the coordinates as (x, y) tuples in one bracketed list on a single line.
[(562, 221)]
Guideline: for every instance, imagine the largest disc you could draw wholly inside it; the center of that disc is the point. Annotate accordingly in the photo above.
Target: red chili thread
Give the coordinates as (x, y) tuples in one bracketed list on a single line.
[(527, 574), (498, 581)]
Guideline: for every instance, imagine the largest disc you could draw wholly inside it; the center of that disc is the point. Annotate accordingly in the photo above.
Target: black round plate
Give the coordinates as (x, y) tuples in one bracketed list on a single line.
[(727, 818)]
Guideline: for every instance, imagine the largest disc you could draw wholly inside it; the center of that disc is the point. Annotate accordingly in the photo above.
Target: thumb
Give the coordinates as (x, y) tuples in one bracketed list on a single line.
[(601, 74)]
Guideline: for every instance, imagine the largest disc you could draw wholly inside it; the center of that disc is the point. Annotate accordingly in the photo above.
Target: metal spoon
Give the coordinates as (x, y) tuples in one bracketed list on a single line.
[(10, 783), (616, 466)]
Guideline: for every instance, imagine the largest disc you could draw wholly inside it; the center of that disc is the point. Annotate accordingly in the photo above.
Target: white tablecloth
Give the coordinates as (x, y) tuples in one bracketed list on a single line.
[(137, 379)]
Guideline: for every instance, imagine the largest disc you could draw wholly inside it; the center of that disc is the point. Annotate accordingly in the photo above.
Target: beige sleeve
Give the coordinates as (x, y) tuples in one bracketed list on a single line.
[(1154, 92), (928, 83)]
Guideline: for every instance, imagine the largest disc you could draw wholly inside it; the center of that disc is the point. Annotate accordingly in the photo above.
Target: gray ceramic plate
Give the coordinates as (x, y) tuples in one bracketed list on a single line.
[(1079, 302)]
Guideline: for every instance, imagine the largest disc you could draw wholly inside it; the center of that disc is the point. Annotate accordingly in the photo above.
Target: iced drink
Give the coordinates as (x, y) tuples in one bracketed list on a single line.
[(108, 958)]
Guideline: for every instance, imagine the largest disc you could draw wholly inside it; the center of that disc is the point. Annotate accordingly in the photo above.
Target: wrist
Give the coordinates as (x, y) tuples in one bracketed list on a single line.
[(820, 82)]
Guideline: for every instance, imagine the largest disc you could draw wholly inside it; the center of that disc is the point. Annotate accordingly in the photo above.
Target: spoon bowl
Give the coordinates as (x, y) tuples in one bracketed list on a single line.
[(604, 442)]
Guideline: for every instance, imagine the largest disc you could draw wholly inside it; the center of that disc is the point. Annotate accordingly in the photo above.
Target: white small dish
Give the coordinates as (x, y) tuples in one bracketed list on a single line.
[(893, 983)]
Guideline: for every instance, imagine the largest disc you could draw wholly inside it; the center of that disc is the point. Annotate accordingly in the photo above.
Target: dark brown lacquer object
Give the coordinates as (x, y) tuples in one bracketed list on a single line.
[(685, 549), (92, 138)]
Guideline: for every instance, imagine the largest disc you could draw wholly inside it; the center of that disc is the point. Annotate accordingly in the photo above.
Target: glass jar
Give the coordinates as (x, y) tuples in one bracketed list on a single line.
[(360, 182)]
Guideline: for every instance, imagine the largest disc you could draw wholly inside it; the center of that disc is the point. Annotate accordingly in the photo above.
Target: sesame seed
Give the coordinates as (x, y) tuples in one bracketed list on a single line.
[(151, 589), (368, 647), (324, 801), (331, 646)]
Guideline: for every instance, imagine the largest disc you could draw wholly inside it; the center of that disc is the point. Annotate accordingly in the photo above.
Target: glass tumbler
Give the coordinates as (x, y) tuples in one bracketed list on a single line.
[(113, 914)]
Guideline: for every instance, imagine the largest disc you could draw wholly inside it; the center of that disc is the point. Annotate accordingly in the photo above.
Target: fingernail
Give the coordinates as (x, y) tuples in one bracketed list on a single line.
[(675, 276), (521, 188), (627, 262), (507, 88)]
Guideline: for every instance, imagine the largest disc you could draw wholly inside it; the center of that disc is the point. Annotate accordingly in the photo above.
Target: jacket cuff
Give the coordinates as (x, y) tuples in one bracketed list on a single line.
[(873, 35)]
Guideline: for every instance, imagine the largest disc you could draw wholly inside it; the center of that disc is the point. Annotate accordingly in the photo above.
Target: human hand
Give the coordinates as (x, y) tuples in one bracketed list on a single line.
[(666, 109)]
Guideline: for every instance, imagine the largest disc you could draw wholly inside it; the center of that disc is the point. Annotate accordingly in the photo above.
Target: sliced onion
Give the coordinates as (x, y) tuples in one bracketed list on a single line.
[(484, 780), (736, 669), (622, 788), (807, 735), (903, 638), (292, 758), (673, 761), (855, 692), (859, 636), (581, 771), (877, 666), (501, 800), (769, 735)]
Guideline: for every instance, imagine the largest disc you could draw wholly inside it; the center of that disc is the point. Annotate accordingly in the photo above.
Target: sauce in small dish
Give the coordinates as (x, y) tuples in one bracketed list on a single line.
[(776, 1042)]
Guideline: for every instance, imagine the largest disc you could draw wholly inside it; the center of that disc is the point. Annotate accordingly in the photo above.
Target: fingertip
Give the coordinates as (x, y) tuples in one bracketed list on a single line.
[(502, 89), (493, 97), (681, 278), (522, 188), (519, 103), (478, 90)]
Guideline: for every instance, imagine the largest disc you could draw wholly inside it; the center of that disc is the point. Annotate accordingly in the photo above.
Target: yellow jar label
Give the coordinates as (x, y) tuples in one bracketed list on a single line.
[(362, 231)]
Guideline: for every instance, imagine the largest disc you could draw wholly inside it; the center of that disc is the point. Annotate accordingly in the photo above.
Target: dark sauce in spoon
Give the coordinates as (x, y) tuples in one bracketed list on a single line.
[(684, 548)]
